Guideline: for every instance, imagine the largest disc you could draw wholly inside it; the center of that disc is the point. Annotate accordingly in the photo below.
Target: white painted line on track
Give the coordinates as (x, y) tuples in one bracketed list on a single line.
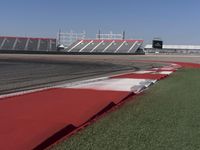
[(23, 92)]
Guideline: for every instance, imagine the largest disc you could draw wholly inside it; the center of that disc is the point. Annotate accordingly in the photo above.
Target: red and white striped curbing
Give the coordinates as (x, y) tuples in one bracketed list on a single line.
[(131, 82), (34, 118), (114, 84)]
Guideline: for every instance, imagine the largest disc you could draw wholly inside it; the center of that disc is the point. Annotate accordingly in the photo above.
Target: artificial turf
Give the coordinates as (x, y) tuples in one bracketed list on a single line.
[(167, 116)]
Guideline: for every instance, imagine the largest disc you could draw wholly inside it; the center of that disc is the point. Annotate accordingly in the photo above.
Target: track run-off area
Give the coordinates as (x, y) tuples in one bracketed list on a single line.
[(90, 85)]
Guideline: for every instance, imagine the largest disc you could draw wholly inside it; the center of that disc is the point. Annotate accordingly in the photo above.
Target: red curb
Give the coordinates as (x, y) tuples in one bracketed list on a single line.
[(142, 76)]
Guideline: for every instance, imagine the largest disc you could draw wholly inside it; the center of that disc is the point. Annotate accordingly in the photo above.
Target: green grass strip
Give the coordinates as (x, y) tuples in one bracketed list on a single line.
[(166, 117)]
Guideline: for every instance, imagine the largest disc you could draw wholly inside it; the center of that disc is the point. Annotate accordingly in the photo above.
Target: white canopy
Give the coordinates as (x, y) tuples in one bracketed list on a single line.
[(183, 47)]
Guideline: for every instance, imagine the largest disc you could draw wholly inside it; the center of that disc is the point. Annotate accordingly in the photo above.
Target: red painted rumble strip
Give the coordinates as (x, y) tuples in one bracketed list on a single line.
[(142, 76), (30, 119)]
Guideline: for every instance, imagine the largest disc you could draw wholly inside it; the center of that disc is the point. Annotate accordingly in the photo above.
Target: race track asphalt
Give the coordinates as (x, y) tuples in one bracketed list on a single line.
[(25, 72), (20, 72)]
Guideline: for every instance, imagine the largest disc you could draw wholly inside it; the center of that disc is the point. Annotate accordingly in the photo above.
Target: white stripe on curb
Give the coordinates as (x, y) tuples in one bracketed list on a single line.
[(165, 72), (118, 84), (143, 72)]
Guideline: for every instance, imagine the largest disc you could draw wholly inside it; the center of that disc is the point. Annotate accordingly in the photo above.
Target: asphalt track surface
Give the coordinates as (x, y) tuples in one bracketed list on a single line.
[(25, 72), (20, 72)]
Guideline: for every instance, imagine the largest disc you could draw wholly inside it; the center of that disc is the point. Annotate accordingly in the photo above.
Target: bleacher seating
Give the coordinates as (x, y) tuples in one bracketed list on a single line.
[(27, 44), (90, 47), (53, 46), (114, 46), (8, 43), (81, 46), (20, 44), (43, 45), (73, 45), (135, 47), (102, 46), (105, 46), (125, 47), (32, 45), (1, 41)]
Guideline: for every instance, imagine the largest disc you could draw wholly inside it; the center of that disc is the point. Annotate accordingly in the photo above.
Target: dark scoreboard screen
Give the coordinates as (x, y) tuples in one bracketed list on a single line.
[(157, 44)]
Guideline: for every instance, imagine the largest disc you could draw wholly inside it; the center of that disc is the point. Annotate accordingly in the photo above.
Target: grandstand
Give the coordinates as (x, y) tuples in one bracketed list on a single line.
[(105, 46), (27, 44)]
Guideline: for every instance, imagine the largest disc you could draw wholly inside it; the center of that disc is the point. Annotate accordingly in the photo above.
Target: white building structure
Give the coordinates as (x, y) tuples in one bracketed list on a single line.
[(178, 49)]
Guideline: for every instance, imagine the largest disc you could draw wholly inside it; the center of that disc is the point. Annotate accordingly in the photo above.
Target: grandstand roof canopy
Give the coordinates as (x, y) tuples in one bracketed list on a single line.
[(184, 47)]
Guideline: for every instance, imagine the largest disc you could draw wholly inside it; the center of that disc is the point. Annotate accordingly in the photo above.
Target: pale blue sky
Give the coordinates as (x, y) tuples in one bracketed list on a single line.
[(175, 21)]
